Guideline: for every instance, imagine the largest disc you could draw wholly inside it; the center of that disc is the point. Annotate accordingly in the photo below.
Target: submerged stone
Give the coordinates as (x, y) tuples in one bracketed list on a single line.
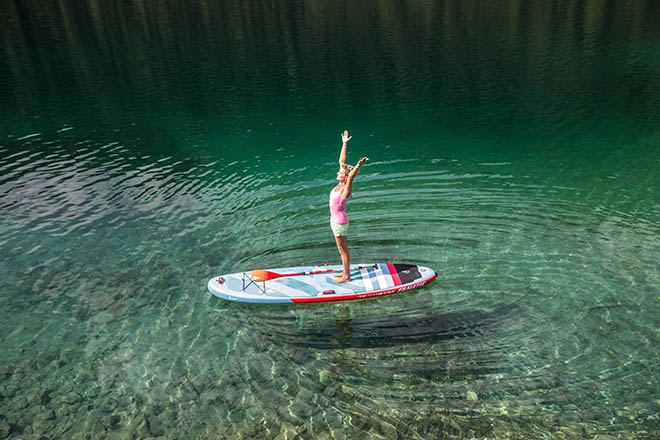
[(45, 414), (10, 371), (5, 429)]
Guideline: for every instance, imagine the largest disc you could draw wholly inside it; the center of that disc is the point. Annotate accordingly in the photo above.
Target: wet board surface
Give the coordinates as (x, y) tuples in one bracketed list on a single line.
[(367, 280)]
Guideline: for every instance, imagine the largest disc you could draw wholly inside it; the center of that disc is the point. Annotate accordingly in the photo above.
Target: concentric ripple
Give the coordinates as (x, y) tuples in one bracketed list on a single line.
[(529, 320)]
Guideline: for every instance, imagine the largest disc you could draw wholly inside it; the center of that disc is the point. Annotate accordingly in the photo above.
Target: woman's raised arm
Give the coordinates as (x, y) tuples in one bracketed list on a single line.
[(344, 142), (348, 187)]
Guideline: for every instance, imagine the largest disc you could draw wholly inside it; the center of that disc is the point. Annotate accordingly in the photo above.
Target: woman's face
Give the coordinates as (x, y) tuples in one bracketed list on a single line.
[(342, 173)]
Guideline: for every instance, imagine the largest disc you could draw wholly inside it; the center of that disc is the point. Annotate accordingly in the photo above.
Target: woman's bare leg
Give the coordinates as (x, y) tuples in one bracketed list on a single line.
[(342, 245)]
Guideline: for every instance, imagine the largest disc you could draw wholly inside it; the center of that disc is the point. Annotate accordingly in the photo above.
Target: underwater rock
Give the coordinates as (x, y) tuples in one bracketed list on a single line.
[(9, 391), (44, 359), (112, 421), (388, 430), (62, 411), (121, 435), (65, 358), (253, 413), (10, 371), (45, 414), (44, 396), (140, 427), (324, 377), (96, 426), (5, 429), (41, 427), (21, 404), (305, 395), (39, 397), (301, 408), (85, 436), (188, 393), (71, 398), (471, 395)]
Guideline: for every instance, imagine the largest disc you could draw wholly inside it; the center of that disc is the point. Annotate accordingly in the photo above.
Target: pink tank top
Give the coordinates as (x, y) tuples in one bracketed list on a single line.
[(338, 207)]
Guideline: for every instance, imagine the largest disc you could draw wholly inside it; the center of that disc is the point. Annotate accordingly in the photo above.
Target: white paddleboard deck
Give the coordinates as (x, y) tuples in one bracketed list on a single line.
[(367, 280)]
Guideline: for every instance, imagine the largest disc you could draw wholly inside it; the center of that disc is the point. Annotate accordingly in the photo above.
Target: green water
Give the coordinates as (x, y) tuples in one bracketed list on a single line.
[(146, 147)]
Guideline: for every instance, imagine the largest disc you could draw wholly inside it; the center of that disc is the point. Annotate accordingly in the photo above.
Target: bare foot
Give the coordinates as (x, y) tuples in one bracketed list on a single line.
[(342, 279)]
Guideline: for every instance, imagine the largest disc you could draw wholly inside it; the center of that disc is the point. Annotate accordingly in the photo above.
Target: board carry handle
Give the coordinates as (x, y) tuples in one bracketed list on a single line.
[(266, 275)]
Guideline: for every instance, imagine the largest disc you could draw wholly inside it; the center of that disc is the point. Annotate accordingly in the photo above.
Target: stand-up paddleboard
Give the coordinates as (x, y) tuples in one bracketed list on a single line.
[(315, 283)]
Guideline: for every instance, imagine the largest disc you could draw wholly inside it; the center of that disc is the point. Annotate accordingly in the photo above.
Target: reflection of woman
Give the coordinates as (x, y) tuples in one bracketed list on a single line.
[(338, 197)]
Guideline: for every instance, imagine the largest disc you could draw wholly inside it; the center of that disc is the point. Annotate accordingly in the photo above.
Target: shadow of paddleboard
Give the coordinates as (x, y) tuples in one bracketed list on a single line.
[(391, 330)]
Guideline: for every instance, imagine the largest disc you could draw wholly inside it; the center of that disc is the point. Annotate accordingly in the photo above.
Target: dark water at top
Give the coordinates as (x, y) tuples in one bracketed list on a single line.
[(148, 146)]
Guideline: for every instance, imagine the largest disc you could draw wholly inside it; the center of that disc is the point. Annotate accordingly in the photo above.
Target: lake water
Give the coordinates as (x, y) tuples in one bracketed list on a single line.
[(146, 147)]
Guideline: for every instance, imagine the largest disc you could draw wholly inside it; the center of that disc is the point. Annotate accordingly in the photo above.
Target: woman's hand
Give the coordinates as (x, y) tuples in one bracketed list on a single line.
[(345, 137), (361, 161)]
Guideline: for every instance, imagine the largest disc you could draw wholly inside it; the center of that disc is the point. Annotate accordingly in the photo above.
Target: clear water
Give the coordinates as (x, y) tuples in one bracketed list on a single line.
[(148, 146)]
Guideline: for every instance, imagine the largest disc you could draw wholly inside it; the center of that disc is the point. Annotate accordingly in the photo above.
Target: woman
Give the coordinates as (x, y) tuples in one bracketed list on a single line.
[(338, 197)]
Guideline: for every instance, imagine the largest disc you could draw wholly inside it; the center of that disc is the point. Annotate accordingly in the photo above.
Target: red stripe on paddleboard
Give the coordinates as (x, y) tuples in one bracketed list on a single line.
[(394, 274), (363, 295)]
